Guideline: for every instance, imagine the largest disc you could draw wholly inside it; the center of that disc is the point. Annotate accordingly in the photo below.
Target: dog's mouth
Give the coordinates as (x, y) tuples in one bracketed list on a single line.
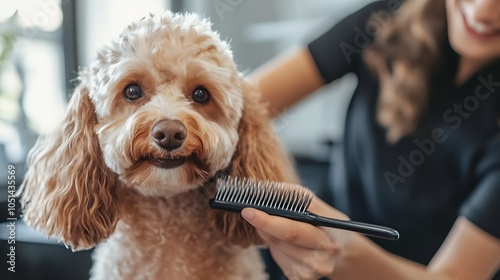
[(168, 162)]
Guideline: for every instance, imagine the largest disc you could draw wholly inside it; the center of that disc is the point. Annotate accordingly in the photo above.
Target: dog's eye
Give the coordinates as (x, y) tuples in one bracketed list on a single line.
[(200, 95), (132, 92)]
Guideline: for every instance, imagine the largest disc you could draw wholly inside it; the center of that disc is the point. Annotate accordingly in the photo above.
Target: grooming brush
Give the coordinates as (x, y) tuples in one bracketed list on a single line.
[(285, 200)]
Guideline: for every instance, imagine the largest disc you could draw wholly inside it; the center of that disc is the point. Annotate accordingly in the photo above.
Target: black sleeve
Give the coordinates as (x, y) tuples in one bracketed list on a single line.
[(338, 51), (482, 207)]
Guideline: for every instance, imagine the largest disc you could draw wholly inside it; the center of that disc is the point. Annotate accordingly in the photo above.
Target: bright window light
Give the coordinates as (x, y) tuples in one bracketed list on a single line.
[(45, 15)]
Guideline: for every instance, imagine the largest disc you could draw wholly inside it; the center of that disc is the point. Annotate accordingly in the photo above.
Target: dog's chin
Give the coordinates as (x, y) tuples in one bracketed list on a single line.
[(167, 177), (167, 163)]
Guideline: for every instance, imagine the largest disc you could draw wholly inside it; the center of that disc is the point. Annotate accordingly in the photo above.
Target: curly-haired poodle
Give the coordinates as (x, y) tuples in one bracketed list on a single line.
[(157, 115)]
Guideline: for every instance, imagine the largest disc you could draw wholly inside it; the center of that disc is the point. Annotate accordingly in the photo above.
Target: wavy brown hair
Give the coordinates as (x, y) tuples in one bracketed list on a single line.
[(406, 56)]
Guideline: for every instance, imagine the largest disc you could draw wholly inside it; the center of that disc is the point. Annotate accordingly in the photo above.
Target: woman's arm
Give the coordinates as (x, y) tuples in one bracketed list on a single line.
[(287, 79), (307, 252), (468, 253)]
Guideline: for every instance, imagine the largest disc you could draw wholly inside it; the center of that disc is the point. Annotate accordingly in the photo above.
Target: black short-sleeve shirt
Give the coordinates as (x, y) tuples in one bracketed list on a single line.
[(422, 183)]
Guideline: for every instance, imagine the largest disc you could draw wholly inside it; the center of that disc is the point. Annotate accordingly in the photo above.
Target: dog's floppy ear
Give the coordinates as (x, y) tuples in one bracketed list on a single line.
[(258, 155), (68, 192)]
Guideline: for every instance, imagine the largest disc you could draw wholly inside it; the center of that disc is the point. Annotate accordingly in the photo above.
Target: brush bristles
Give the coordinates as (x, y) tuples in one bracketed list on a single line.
[(254, 193)]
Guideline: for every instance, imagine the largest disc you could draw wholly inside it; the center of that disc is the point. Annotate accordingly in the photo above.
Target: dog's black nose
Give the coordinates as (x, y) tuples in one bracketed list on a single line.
[(169, 134)]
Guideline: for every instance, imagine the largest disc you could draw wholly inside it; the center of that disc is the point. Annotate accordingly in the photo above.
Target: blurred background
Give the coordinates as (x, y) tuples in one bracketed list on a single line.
[(43, 43)]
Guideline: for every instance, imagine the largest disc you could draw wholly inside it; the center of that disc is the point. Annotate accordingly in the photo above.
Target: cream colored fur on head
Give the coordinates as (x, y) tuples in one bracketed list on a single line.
[(96, 180)]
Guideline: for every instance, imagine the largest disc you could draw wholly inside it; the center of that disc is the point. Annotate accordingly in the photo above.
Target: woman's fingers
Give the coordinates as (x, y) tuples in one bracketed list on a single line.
[(293, 269), (302, 263), (302, 250), (297, 233), (324, 250)]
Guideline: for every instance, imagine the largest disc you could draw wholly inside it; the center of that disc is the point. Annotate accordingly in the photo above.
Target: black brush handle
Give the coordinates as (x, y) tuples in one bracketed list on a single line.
[(313, 219), (363, 228)]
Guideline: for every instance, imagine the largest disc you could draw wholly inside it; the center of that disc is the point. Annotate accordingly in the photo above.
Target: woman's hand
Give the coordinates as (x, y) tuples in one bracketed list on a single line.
[(303, 251)]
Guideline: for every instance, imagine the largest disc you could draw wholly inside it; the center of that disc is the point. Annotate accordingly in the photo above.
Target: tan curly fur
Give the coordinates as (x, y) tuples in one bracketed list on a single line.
[(94, 181)]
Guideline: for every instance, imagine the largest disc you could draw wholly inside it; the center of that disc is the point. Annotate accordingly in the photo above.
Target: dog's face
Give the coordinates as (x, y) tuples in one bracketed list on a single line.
[(168, 99), (160, 110)]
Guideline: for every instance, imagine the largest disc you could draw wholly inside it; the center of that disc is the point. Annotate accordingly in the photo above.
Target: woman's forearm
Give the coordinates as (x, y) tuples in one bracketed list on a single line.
[(366, 260), (467, 254), (287, 79), (304, 251)]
